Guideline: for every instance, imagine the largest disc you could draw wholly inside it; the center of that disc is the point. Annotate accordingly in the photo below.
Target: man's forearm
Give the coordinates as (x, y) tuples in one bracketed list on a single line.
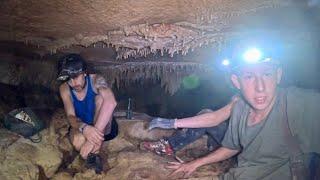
[(216, 156), (205, 120), (105, 115)]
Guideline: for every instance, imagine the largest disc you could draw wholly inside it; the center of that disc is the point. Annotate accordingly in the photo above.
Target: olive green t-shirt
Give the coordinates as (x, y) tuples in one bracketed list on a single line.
[(263, 147)]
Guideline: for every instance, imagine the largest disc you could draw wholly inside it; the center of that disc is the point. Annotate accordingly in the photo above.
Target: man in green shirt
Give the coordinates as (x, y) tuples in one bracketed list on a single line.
[(265, 124)]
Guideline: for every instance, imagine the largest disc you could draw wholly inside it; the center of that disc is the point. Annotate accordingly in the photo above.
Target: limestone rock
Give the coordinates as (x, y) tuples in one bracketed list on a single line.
[(23, 157), (118, 144), (6, 139), (13, 168), (142, 165), (62, 176), (77, 164), (41, 154), (49, 158), (61, 128), (137, 129), (89, 175), (138, 165)]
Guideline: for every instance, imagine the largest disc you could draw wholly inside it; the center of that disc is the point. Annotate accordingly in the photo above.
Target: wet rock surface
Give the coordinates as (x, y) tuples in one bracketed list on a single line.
[(55, 158)]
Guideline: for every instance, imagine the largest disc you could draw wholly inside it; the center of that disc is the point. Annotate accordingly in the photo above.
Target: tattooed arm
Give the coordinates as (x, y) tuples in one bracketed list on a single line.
[(100, 82), (103, 115)]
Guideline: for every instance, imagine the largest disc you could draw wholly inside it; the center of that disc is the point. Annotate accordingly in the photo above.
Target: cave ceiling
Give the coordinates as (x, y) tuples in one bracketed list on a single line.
[(135, 28), (132, 40)]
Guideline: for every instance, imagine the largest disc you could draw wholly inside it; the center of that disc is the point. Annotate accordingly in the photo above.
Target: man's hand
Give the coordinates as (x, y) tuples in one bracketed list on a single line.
[(93, 135), (97, 148), (161, 123), (186, 168), (86, 148), (89, 147)]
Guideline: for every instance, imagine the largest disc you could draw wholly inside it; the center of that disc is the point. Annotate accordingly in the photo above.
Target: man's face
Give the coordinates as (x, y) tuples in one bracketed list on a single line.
[(77, 83), (258, 84)]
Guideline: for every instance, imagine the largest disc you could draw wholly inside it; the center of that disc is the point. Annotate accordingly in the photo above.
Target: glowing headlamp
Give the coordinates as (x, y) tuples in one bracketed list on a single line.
[(250, 56), (226, 62), (253, 55)]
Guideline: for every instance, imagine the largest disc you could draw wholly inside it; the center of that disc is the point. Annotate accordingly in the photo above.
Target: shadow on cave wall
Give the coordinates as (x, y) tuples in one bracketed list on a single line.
[(40, 98), (150, 98)]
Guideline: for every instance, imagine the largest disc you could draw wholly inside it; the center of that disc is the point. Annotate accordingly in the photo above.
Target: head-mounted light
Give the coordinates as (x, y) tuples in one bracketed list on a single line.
[(226, 62), (253, 55), (250, 56), (63, 78), (67, 73)]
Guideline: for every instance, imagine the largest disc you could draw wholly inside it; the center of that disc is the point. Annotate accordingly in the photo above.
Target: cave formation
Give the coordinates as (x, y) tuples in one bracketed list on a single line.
[(163, 54)]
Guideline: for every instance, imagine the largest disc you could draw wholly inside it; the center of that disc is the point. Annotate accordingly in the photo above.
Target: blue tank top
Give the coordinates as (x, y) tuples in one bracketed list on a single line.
[(85, 109)]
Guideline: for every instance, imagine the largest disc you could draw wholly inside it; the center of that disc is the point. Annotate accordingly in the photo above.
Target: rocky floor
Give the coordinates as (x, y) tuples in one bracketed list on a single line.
[(54, 157)]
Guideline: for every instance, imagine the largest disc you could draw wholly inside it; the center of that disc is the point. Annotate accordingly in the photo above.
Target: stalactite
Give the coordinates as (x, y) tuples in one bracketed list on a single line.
[(170, 74), (143, 39)]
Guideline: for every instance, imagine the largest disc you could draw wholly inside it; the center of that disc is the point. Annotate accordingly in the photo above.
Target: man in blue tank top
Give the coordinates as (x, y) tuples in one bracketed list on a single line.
[(89, 104)]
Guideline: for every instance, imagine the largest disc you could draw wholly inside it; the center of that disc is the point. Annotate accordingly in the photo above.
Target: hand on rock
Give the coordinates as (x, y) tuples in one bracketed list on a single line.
[(186, 169)]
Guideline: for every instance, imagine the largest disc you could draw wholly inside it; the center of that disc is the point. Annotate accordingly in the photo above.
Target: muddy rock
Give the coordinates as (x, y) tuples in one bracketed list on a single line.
[(23, 158), (144, 165), (7, 138), (13, 168), (138, 165), (43, 154), (61, 128), (62, 176), (89, 175), (118, 144), (137, 129)]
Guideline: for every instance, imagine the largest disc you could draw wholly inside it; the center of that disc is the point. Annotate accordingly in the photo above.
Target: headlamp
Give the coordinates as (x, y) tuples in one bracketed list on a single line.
[(70, 66), (67, 73), (63, 78), (226, 62), (253, 55), (250, 56)]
